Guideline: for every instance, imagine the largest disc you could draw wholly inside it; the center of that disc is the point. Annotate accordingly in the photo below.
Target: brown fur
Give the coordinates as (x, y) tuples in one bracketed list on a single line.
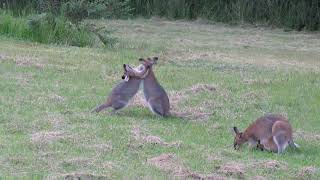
[(263, 131)]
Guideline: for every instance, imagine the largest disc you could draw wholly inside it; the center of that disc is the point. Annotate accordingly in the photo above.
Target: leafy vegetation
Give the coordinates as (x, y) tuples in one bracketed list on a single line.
[(294, 14), (45, 28), (287, 13)]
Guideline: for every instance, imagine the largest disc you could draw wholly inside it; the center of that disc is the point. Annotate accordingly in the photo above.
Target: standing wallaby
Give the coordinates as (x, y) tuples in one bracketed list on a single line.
[(154, 93), (263, 130), (125, 90)]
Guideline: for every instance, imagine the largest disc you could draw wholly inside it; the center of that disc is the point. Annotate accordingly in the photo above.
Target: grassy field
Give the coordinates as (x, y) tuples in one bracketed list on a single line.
[(216, 76)]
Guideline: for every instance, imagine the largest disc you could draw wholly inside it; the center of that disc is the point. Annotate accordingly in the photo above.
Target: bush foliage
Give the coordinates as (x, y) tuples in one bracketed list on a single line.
[(295, 14), (45, 28)]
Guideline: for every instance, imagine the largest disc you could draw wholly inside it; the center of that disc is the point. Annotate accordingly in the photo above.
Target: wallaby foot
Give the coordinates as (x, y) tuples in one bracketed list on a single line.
[(156, 107), (293, 144), (100, 108), (260, 146)]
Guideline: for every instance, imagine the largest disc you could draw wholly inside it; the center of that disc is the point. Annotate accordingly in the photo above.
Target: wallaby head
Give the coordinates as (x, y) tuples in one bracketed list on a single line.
[(149, 62), (239, 138), (139, 72)]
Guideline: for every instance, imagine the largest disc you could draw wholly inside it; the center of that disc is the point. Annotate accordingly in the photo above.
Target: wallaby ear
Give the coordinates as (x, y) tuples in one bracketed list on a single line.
[(235, 129), (141, 59), (124, 66)]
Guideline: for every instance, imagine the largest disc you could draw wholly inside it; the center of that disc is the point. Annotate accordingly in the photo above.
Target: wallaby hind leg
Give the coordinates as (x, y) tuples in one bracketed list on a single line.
[(119, 105), (156, 107), (293, 144), (281, 142), (101, 107)]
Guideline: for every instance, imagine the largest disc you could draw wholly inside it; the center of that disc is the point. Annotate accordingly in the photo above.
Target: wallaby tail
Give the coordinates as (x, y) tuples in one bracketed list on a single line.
[(101, 107), (293, 144)]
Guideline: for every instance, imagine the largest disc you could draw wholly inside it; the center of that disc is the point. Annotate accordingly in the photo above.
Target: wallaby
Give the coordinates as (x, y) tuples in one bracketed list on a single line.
[(154, 93), (260, 132), (125, 90)]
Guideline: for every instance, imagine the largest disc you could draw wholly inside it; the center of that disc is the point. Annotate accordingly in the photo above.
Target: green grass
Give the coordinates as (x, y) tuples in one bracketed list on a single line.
[(47, 29), (47, 93)]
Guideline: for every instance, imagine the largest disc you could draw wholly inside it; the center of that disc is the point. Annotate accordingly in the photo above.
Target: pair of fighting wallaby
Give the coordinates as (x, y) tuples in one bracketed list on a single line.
[(154, 93), (270, 132)]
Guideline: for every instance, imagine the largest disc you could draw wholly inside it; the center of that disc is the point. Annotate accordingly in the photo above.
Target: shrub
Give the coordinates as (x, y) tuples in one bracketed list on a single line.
[(45, 28)]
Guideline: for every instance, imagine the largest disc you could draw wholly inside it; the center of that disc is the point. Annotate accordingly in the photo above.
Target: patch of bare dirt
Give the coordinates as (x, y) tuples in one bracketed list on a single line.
[(307, 171), (214, 157), (47, 136), (56, 97), (22, 78), (23, 60), (28, 61), (199, 112), (109, 165), (55, 119), (192, 113), (258, 178), (198, 88), (232, 169), (78, 161), (102, 147), (273, 164), (299, 134), (170, 164), (139, 100), (4, 57), (270, 165), (82, 176), (143, 137)]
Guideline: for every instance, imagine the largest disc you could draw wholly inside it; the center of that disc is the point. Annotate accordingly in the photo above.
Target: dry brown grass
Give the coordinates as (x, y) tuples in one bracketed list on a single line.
[(307, 136), (193, 113), (84, 176), (307, 172), (170, 164), (143, 137), (233, 169), (44, 137), (273, 165)]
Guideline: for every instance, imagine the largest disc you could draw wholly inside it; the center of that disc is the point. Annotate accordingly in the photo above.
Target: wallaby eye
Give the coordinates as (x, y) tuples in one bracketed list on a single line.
[(240, 135)]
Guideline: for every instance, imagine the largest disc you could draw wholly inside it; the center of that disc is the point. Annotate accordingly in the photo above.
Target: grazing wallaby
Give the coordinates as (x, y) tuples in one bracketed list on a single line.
[(260, 132), (154, 93), (125, 90)]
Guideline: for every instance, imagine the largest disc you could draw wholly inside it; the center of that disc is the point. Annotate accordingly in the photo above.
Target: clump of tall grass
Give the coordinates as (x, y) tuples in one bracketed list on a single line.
[(294, 14), (45, 28)]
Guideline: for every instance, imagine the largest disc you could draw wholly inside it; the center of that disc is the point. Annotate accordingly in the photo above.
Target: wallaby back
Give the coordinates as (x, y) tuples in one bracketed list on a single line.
[(281, 137)]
